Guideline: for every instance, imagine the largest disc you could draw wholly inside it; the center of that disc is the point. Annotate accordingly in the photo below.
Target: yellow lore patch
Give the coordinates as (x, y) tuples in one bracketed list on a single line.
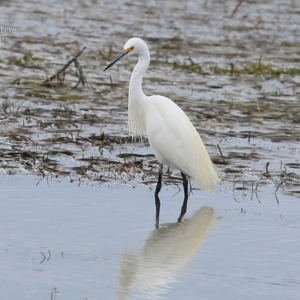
[(128, 49)]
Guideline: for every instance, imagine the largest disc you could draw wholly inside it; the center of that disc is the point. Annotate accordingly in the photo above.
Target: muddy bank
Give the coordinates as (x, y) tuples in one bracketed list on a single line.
[(233, 69)]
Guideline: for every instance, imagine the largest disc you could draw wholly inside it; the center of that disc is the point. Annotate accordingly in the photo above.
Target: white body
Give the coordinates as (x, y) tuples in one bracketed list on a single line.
[(172, 136)]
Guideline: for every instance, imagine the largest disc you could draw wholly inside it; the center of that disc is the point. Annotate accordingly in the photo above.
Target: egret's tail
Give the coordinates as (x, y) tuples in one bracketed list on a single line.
[(202, 169)]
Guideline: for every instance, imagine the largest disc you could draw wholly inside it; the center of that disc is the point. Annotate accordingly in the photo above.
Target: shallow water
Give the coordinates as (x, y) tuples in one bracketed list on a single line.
[(77, 212), (92, 242)]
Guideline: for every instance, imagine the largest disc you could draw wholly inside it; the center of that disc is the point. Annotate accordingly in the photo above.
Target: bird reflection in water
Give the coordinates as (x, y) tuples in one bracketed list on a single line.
[(164, 256)]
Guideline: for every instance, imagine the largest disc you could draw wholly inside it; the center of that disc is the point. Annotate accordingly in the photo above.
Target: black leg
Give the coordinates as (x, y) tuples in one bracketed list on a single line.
[(157, 190), (186, 196)]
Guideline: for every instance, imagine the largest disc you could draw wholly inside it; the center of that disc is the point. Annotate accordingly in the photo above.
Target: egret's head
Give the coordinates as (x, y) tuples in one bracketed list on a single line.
[(133, 46)]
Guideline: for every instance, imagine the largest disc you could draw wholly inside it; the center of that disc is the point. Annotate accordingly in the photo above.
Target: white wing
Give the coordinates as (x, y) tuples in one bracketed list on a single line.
[(176, 142)]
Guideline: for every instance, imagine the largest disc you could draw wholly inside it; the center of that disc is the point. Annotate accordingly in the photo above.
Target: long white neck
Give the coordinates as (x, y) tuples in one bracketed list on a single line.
[(136, 80), (136, 97)]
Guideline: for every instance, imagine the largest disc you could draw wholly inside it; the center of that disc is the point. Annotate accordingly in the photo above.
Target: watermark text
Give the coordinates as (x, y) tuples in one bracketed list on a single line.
[(5, 33)]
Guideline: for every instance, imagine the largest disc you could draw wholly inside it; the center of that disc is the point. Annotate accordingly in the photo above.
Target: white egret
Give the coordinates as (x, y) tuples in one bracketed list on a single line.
[(172, 136)]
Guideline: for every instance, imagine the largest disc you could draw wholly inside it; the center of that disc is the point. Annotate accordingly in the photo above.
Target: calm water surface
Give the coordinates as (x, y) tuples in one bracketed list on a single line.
[(91, 242)]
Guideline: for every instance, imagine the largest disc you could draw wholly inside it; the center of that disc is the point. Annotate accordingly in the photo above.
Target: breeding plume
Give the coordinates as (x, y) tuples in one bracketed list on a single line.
[(173, 138)]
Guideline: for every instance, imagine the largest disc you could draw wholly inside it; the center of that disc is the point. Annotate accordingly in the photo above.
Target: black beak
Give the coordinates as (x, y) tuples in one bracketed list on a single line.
[(122, 54)]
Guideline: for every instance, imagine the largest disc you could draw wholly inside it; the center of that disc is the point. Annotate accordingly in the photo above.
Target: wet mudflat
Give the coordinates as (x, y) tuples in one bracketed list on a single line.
[(77, 214)]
